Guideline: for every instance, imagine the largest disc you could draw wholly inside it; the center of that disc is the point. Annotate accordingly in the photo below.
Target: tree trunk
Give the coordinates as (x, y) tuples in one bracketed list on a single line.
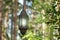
[(15, 5), (1, 2)]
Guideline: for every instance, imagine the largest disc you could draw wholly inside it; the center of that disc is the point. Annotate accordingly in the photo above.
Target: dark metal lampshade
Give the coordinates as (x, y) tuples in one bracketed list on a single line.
[(23, 22)]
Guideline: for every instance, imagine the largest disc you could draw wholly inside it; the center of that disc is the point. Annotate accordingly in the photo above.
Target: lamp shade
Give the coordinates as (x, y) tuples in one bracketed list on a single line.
[(23, 22)]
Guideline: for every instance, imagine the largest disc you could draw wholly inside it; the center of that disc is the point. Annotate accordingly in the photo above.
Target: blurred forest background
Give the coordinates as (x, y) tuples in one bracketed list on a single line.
[(44, 19)]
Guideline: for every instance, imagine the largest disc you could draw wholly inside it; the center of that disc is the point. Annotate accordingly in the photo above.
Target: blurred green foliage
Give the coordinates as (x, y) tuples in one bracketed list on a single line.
[(30, 36), (52, 17)]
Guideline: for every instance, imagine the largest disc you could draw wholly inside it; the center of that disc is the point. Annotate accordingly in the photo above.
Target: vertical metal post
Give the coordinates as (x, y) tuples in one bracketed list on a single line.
[(1, 3), (15, 18), (24, 6)]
